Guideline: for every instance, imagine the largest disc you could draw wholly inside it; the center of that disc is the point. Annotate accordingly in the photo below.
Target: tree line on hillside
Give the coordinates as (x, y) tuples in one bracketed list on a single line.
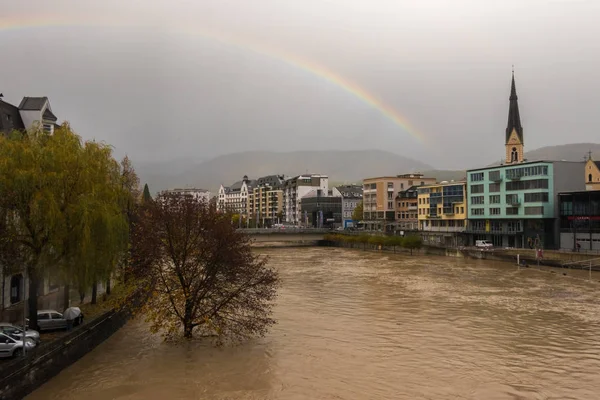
[(410, 242), (72, 213)]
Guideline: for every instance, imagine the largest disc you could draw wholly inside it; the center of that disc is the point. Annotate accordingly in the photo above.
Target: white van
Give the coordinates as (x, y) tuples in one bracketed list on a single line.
[(483, 243)]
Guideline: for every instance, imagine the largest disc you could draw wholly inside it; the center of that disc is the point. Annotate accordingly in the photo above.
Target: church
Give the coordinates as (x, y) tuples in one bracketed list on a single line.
[(515, 204)]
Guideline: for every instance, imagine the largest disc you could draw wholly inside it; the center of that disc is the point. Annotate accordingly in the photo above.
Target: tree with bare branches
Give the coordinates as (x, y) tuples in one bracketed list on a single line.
[(203, 275)]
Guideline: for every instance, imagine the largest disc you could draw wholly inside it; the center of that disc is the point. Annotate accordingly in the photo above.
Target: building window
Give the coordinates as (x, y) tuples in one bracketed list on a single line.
[(534, 210), (390, 185), (477, 177), (477, 211), (495, 211), (495, 199), (477, 200), (477, 188), (589, 177), (526, 185), (512, 210), (494, 187), (512, 199), (537, 170), (390, 204), (494, 175), (16, 288), (514, 156), (536, 197)]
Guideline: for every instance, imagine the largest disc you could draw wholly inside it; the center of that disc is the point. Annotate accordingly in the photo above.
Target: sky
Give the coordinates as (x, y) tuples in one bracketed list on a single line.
[(192, 79)]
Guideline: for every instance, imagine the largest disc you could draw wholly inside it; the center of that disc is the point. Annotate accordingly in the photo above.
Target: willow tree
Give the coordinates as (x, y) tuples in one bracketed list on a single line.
[(205, 276), (56, 190), (32, 182), (93, 217)]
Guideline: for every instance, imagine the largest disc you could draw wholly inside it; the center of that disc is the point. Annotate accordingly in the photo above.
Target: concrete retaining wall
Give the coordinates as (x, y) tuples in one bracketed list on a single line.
[(20, 377)]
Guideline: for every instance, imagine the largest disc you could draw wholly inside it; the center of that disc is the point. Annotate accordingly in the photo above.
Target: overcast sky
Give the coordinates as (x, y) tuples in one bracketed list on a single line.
[(150, 78)]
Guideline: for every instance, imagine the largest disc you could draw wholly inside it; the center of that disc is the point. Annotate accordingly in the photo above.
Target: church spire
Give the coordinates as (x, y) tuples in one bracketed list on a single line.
[(514, 119)]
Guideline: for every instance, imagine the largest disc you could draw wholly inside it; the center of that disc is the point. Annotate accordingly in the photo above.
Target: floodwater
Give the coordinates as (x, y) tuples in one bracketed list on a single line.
[(359, 325)]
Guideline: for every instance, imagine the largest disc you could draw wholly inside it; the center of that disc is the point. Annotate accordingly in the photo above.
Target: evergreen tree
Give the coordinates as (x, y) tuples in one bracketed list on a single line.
[(146, 196)]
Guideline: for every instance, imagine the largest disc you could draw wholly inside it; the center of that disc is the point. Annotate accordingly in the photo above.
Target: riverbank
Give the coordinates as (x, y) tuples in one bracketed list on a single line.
[(550, 258), (58, 350)]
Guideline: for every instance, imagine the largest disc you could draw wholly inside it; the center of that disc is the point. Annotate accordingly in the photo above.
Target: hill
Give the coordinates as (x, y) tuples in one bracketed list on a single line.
[(340, 166), (568, 152)]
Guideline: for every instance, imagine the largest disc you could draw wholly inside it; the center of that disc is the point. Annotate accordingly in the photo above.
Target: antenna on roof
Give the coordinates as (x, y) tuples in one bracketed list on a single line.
[(1, 95), (589, 155)]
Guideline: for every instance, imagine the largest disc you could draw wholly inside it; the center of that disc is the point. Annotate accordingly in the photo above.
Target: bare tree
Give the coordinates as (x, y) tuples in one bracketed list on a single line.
[(205, 277)]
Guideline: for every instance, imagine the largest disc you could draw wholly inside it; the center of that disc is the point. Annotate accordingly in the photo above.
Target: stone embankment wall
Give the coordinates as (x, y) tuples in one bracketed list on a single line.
[(21, 376)]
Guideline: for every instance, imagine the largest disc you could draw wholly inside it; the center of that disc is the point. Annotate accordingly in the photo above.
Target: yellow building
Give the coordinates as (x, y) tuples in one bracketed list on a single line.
[(265, 201), (592, 174), (442, 213)]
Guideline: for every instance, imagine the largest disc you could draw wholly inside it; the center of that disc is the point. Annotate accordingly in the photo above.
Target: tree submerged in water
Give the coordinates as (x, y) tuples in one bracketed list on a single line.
[(204, 277)]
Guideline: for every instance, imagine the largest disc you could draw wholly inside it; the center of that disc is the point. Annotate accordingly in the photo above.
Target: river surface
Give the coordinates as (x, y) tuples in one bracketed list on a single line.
[(359, 325)]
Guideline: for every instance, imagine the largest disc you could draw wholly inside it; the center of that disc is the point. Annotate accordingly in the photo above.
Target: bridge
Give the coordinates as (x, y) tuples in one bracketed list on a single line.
[(305, 236)]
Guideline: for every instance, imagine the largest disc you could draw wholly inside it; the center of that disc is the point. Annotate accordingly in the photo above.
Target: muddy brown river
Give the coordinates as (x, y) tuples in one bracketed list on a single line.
[(357, 325)]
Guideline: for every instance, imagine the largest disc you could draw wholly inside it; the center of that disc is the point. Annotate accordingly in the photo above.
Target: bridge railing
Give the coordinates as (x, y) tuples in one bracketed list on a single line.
[(292, 231)]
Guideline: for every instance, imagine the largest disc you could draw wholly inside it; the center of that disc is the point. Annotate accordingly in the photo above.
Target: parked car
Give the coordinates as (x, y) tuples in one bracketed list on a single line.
[(15, 331), (483, 244), (50, 319), (11, 347)]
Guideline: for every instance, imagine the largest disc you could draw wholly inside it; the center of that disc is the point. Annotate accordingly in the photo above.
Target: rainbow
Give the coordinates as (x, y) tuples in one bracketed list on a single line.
[(45, 21)]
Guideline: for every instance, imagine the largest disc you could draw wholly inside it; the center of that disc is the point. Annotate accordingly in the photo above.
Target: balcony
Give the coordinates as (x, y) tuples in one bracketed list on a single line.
[(514, 203), (412, 208), (497, 179), (433, 216), (452, 229), (514, 177), (503, 231)]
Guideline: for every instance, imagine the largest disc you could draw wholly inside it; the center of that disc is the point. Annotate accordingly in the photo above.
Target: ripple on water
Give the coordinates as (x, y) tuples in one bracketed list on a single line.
[(360, 325)]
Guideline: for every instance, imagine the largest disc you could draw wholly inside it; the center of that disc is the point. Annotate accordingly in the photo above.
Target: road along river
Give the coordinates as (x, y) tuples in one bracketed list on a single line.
[(360, 325)]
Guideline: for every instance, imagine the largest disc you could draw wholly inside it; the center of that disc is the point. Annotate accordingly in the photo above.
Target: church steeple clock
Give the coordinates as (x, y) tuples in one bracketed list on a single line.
[(514, 131)]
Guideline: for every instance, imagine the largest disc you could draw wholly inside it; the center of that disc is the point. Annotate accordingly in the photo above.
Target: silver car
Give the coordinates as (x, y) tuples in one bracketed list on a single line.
[(11, 330), (11, 347), (50, 319)]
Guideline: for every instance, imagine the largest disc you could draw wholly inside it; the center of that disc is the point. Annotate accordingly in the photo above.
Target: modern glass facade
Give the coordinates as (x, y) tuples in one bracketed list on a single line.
[(512, 205), (579, 220)]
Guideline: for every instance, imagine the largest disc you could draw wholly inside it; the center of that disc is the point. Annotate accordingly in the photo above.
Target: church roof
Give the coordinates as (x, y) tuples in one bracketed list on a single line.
[(514, 119)]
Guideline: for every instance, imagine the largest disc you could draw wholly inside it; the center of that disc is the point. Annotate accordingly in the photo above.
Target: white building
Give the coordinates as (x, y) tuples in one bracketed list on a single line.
[(351, 196), (195, 192), (32, 112), (295, 189), (234, 198)]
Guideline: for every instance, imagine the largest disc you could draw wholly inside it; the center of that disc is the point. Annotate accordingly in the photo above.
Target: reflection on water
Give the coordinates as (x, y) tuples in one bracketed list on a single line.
[(356, 325)]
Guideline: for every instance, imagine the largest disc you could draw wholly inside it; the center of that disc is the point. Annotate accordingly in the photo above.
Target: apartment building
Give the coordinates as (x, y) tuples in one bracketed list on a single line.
[(32, 112), (202, 194), (265, 201), (379, 199), (297, 187), (234, 198), (351, 196), (406, 209), (442, 213)]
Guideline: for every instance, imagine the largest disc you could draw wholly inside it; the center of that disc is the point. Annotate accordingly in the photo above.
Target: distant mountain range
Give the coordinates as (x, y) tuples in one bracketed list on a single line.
[(340, 166)]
